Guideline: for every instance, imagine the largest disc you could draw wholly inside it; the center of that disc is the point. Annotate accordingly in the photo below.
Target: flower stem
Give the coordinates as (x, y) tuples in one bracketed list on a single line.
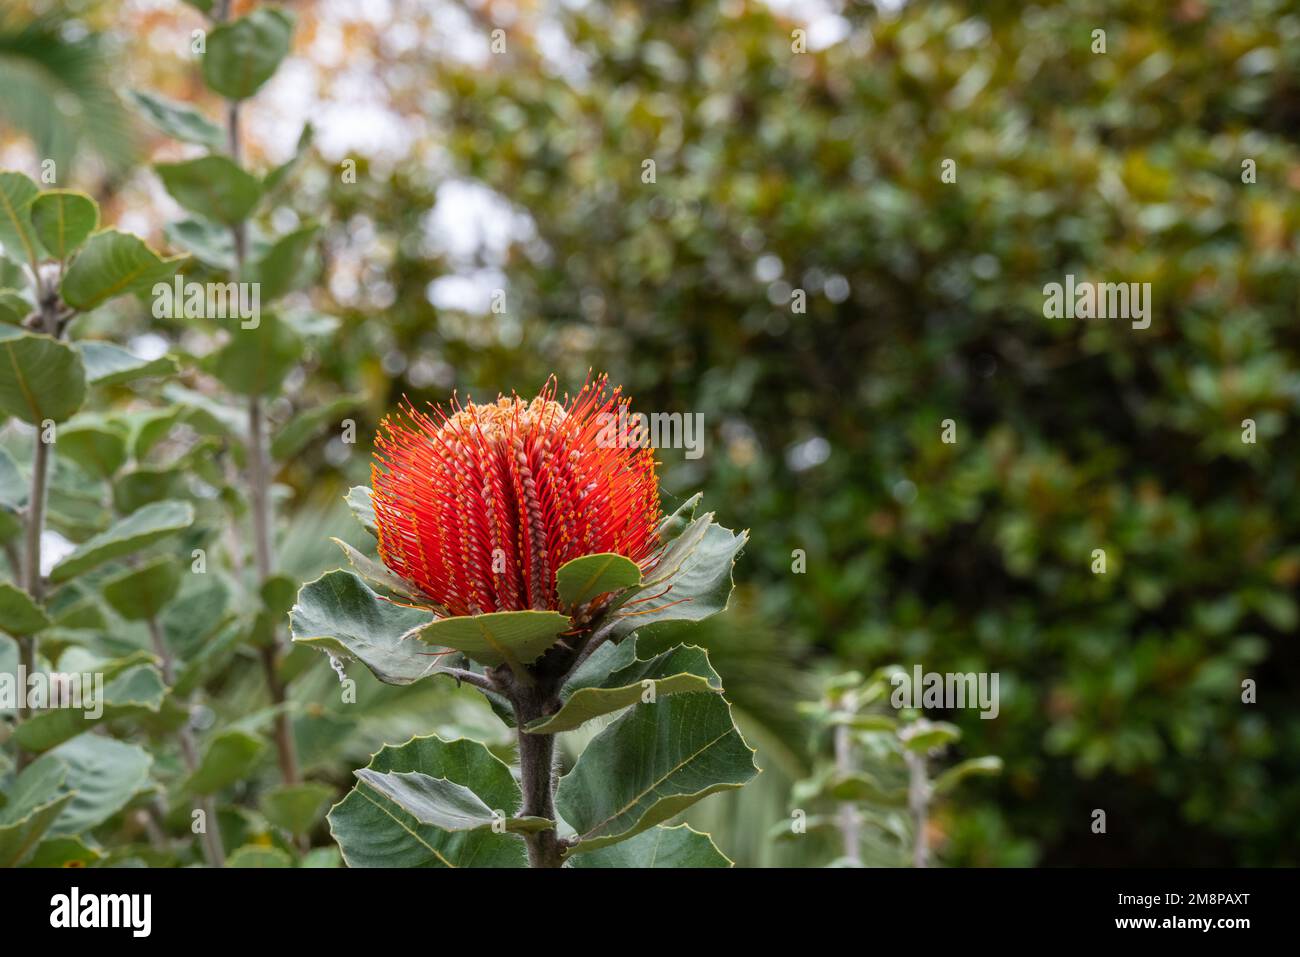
[(918, 802), (537, 779)]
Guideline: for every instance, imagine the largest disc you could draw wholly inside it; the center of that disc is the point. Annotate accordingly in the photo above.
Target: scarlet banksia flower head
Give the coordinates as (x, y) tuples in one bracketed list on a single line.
[(479, 508)]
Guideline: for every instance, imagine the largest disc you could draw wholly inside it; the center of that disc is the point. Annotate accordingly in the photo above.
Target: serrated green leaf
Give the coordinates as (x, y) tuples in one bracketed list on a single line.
[(111, 264), (690, 581), (36, 799), (178, 120), (40, 377), (589, 694), (585, 578), (62, 219), (104, 774), (19, 615), (363, 509), (444, 804), (514, 638), (337, 613), (674, 847), (213, 186), (650, 765), (141, 528), (373, 831), (377, 573), (242, 55), (130, 689)]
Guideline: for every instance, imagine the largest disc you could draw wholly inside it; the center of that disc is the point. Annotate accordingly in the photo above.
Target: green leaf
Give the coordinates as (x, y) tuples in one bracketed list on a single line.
[(650, 765), (137, 530), (178, 120), (64, 852), (143, 592), (338, 614), (131, 688), (973, 767), (862, 786), (377, 573), (278, 176), (14, 309), (300, 430), (62, 219), (105, 775), (297, 808), (112, 264), (676, 847), (212, 186), (36, 799), (255, 855), (589, 693), (209, 242), (40, 377), (515, 638), (19, 615), (444, 804), (97, 446), (137, 488), (673, 525), (107, 364), (322, 857), (690, 581), (16, 195), (280, 266), (244, 54), (255, 361), (363, 509), (230, 756), (929, 735), (374, 831), (585, 578)]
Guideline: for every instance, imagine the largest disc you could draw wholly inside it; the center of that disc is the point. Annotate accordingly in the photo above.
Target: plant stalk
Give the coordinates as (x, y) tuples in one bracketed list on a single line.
[(850, 825), (33, 582), (213, 851), (259, 484), (918, 802), (537, 779)]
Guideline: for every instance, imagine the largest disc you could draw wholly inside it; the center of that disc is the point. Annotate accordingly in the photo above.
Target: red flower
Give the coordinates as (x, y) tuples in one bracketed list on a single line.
[(479, 508)]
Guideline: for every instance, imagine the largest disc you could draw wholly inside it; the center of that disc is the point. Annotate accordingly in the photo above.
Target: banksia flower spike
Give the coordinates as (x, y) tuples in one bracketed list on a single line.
[(478, 508)]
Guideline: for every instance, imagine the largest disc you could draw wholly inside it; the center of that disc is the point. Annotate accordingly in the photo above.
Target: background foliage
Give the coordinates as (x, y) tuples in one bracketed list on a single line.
[(820, 171)]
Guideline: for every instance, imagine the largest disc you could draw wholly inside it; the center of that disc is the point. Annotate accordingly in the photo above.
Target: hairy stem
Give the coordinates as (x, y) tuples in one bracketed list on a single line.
[(212, 848), (850, 824), (33, 582), (537, 779), (918, 802), (259, 485)]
